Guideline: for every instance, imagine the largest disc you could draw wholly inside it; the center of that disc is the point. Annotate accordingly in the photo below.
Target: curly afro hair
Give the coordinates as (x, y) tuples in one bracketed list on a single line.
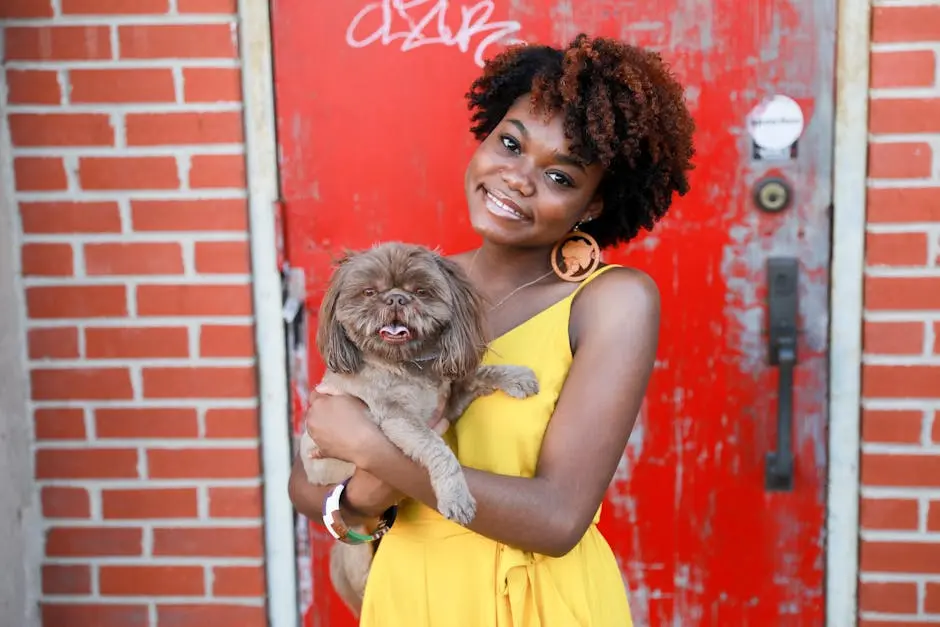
[(621, 107)]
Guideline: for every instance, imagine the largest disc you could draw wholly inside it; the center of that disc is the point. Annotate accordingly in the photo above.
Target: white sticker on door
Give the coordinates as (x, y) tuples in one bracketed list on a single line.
[(775, 124)]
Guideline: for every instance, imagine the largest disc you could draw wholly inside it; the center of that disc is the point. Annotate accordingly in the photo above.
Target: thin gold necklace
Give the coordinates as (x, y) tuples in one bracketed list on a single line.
[(473, 262)]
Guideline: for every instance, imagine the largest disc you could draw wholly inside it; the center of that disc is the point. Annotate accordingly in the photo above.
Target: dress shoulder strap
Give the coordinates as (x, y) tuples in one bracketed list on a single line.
[(592, 276)]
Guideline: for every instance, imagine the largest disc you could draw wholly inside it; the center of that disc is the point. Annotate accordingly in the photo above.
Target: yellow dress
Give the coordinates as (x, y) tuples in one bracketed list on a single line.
[(430, 572)]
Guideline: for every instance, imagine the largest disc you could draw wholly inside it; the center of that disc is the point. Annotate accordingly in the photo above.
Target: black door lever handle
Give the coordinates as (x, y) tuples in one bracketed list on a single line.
[(783, 307)]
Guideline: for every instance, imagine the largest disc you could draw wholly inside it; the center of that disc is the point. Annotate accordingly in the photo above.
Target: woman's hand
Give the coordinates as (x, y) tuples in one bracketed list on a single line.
[(340, 425)]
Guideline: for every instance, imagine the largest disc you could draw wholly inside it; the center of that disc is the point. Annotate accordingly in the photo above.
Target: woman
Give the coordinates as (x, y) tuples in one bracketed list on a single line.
[(603, 152)]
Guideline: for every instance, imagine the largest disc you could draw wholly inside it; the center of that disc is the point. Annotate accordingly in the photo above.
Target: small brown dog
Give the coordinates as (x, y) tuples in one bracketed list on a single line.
[(400, 328)]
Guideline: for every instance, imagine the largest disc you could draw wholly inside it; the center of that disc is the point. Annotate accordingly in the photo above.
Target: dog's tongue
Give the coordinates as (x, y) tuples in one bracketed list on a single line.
[(394, 330)]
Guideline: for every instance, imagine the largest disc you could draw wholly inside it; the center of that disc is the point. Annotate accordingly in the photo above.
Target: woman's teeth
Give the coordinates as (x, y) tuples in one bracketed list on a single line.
[(495, 206)]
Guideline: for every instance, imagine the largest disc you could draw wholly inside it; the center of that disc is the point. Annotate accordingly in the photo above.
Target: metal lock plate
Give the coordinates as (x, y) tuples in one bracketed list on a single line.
[(772, 195)]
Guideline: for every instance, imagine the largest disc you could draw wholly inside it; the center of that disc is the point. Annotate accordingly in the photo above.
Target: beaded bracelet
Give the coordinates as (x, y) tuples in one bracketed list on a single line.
[(340, 530)]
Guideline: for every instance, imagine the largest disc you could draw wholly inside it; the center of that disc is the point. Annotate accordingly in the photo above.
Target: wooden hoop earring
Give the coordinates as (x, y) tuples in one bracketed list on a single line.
[(575, 256)]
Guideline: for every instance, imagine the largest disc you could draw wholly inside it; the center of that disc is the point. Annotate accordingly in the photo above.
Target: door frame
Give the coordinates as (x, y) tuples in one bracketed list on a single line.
[(846, 277)]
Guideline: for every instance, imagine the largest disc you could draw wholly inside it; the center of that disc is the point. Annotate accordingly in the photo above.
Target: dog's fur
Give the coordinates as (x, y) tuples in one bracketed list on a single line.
[(394, 286)]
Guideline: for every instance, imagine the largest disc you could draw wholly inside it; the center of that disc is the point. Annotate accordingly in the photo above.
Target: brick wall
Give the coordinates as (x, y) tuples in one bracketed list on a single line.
[(900, 549), (125, 119)]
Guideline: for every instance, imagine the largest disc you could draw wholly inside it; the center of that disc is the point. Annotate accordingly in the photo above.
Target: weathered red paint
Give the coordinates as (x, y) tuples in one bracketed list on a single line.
[(373, 142)]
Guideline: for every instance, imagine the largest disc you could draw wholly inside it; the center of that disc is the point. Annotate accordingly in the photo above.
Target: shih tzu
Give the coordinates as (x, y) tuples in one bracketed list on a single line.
[(401, 328)]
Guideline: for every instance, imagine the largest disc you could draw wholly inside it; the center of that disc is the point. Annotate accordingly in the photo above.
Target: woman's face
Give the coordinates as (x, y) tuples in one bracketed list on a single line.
[(524, 188)]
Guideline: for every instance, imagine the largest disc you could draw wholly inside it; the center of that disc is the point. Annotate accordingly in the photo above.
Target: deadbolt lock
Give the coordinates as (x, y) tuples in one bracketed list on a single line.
[(772, 195)]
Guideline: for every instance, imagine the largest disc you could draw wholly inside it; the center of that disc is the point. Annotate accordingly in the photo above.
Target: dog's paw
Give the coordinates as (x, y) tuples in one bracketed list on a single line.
[(460, 508), (519, 382)]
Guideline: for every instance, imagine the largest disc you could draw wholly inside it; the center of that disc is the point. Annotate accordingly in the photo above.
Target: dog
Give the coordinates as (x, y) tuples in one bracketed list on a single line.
[(402, 328)]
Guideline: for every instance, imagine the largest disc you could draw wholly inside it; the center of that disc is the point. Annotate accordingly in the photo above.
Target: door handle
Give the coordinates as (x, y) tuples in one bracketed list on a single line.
[(783, 275)]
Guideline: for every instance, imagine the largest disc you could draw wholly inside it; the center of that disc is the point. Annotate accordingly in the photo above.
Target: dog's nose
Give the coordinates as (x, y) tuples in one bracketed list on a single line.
[(396, 299)]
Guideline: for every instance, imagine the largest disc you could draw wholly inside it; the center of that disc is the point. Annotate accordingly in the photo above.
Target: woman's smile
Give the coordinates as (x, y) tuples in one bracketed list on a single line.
[(502, 206)]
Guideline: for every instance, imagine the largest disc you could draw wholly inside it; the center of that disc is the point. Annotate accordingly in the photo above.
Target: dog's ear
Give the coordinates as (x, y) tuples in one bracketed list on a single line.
[(336, 349), (463, 342)]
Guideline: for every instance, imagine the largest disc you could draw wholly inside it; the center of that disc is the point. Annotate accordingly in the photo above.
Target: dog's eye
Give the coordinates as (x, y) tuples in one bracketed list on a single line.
[(368, 292), (421, 291)]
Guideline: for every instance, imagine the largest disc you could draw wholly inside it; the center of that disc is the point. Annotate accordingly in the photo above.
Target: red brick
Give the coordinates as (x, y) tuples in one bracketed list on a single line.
[(92, 541), (86, 463), (933, 516), (900, 293), (892, 598), (160, 129), (905, 115), (235, 502), (208, 542), (133, 258), (212, 84), (146, 423), (223, 258), (122, 86), (190, 215), (60, 502), (232, 423), (203, 463), (896, 249), (70, 217), (39, 174), (905, 24), (146, 581), (897, 514), (113, 7), (57, 43), (905, 68), (227, 341), (900, 381), (39, 87), (53, 343), (136, 342), (72, 384), (894, 338), (176, 41), (66, 579), (61, 129), (917, 471), (47, 259), (80, 301), (903, 160), (932, 598), (194, 300), (200, 382), (892, 427), (141, 504), (94, 615), (936, 338), (211, 615), (207, 6), (238, 581), (900, 557), (119, 173), (935, 435), (904, 204), (217, 171), (22, 9), (64, 423)]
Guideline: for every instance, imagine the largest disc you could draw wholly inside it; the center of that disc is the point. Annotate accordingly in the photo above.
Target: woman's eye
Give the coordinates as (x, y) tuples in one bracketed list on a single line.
[(509, 143), (560, 179), (368, 292)]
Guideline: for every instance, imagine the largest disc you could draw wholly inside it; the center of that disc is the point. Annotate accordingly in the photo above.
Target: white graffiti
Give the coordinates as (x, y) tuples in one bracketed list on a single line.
[(416, 30)]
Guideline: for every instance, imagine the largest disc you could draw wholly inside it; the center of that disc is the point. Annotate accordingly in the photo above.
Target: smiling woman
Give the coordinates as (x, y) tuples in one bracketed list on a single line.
[(580, 148)]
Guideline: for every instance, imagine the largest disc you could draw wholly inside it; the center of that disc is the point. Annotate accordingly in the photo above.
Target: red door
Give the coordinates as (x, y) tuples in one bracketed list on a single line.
[(373, 134)]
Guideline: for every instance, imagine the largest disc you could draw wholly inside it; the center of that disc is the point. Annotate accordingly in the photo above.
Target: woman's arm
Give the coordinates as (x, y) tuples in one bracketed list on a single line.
[(363, 500), (615, 323)]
